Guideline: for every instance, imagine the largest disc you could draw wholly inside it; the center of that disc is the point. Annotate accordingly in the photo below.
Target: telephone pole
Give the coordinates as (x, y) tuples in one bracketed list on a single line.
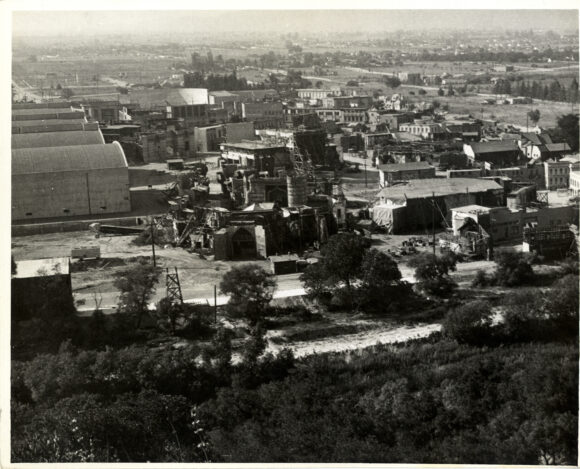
[(152, 241), (433, 222)]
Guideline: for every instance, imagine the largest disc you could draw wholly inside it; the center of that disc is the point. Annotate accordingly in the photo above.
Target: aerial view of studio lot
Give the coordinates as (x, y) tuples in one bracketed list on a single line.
[(358, 244)]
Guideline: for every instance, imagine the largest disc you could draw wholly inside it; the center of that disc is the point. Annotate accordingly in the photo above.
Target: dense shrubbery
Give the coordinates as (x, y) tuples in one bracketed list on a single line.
[(351, 276), (419, 404), (485, 396), (525, 315), (512, 269), (131, 404)]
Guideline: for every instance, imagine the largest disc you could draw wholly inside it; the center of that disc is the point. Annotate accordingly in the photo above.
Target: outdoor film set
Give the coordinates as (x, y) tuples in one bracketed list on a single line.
[(293, 236)]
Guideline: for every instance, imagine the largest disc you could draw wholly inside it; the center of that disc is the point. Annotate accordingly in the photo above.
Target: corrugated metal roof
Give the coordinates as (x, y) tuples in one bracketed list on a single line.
[(424, 188), (69, 158), (57, 139)]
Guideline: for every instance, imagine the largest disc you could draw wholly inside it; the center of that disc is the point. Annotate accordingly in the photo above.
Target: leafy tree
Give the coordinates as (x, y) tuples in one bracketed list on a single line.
[(534, 116), (562, 305), (255, 346), (169, 314), (137, 286), (441, 92), (481, 279), (469, 323), (316, 282), (250, 289), (379, 270), (220, 353), (392, 82), (523, 316), (512, 269), (352, 83), (342, 260), (432, 273), (568, 130), (380, 280), (422, 92)]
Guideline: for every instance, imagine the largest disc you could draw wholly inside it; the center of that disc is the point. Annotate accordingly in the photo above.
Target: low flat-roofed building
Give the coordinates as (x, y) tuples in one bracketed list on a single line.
[(40, 285), (424, 129), (252, 154), (391, 173), (506, 224)]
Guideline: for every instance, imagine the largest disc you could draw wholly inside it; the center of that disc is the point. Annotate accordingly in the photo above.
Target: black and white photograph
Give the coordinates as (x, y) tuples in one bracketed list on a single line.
[(323, 233)]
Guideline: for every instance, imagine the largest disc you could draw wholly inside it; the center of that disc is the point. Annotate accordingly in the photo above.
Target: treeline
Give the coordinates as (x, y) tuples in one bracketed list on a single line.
[(552, 92), (218, 82), (481, 55)]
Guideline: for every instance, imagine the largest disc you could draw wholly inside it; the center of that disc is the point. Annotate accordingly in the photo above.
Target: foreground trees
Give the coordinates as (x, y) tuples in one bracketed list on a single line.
[(353, 275), (137, 286), (432, 273), (251, 288)]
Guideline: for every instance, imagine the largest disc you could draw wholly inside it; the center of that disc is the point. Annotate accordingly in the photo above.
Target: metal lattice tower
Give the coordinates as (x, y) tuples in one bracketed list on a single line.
[(302, 163), (173, 287)]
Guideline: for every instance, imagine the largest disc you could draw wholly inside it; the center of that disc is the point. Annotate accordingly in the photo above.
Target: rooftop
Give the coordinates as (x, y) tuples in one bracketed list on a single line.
[(169, 96), (494, 147), (42, 267), (572, 158), (34, 111), (405, 166), (253, 145), (57, 139), (48, 122), (222, 93), (472, 209), (69, 158), (557, 147), (425, 188)]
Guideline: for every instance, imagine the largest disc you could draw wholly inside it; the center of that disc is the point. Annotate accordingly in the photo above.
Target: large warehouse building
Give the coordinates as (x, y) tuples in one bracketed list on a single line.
[(416, 204), (69, 181), (57, 139)]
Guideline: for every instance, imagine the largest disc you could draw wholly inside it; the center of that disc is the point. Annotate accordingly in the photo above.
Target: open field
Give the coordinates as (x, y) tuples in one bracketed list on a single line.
[(135, 68)]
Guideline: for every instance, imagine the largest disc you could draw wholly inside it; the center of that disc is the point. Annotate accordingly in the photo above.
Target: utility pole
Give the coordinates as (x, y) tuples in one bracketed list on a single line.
[(215, 304), (152, 242), (433, 221), (365, 162)]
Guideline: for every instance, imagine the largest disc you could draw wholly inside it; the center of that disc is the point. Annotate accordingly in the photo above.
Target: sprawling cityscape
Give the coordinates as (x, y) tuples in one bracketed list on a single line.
[(295, 236)]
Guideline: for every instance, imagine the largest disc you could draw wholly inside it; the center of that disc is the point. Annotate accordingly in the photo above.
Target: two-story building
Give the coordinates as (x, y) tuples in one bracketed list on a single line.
[(427, 130)]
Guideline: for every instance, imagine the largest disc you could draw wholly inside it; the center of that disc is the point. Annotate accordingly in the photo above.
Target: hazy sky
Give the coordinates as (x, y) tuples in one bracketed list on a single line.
[(153, 22)]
